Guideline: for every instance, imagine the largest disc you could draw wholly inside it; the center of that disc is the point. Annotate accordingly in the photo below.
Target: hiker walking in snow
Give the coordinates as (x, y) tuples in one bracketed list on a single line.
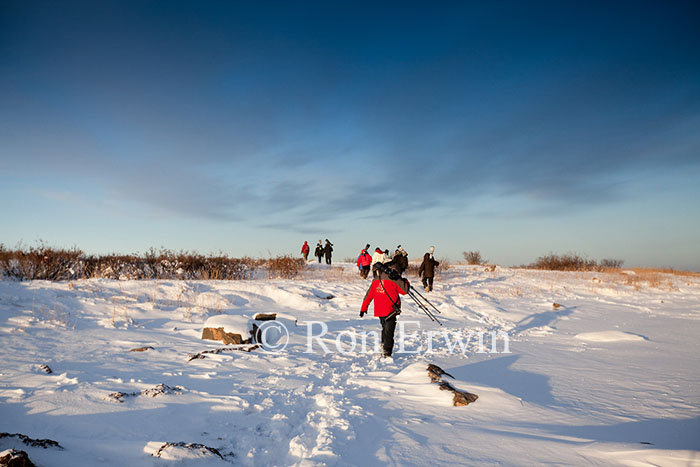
[(377, 257), (305, 250), (319, 251), (364, 262), (401, 259), (328, 250), (427, 269), (385, 292)]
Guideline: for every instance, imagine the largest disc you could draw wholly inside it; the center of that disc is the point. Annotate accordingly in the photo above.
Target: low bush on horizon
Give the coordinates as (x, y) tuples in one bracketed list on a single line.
[(473, 257), (444, 266), (286, 267), (573, 262), (58, 264)]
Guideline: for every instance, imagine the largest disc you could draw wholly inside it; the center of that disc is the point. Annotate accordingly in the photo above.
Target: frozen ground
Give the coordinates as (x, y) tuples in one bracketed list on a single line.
[(609, 377)]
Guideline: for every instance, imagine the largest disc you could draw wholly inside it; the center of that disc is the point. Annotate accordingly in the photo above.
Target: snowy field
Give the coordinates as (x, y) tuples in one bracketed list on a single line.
[(609, 377)]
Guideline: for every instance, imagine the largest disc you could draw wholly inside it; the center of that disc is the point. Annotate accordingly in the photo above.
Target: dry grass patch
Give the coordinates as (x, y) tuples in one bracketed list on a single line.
[(56, 264), (285, 267), (638, 278)]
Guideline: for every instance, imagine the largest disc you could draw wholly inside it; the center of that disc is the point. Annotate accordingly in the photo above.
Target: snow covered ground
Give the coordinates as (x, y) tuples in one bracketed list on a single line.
[(610, 376)]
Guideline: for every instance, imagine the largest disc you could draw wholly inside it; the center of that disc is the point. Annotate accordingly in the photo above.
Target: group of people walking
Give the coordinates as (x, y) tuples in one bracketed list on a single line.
[(366, 262), (387, 284), (321, 251), (426, 271)]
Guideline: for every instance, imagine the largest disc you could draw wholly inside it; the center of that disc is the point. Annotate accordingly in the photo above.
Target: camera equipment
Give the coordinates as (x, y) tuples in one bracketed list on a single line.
[(389, 271)]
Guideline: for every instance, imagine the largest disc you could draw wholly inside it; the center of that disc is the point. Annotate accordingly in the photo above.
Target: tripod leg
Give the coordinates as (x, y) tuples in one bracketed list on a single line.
[(424, 308), (424, 299)]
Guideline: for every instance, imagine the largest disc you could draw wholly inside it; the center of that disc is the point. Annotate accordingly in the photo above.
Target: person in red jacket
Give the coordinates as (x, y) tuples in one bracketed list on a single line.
[(387, 304), (364, 261), (305, 250)]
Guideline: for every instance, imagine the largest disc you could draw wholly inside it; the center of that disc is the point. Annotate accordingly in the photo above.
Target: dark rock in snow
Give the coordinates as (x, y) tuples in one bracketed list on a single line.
[(261, 317), (35, 443), (141, 349), (242, 348), (218, 334), (435, 373), (460, 398), (13, 458), (153, 392), (46, 369), (265, 316), (200, 448)]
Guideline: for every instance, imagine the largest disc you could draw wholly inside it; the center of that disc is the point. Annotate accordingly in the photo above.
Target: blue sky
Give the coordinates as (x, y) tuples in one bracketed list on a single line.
[(513, 128)]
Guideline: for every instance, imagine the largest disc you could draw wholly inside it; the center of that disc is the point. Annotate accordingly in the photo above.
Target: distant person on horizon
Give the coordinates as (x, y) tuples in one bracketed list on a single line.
[(319, 251), (328, 251), (305, 250), (427, 269)]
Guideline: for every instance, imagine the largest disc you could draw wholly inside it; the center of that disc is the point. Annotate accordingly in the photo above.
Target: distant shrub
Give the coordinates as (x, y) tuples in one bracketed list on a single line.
[(565, 262), (285, 266), (473, 257), (608, 263), (45, 263), (444, 266), (39, 263), (413, 269)]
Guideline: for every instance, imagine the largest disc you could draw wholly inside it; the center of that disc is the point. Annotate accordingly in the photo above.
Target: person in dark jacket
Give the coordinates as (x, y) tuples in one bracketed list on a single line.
[(387, 304), (305, 250), (427, 269), (319, 251), (401, 259), (328, 250)]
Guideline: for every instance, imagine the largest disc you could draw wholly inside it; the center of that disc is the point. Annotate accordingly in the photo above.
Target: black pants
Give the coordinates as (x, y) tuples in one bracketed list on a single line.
[(388, 328), (428, 282), (328, 259), (364, 272), (319, 258), (306, 256)]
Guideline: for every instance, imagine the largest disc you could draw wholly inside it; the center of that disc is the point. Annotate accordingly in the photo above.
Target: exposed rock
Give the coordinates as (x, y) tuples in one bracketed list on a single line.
[(435, 373), (13, 458), (141, 349), (196, 447), (460, 398), (35, 443), (556, 306), (46, 369), (265, 316), (235, 329), (256, 333), (153, 392), (242, 348), (256, 329), (218, 334)]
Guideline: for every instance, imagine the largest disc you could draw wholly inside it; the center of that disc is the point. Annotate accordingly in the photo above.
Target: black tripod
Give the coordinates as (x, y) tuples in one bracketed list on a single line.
[(423, 304)]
